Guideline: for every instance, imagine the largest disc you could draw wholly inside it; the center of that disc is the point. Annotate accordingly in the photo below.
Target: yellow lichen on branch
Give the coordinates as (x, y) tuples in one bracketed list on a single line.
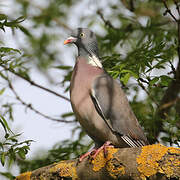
[(100, 160), (151, 157), (24, 176), (154, 161), (114, 169), (65, 169)]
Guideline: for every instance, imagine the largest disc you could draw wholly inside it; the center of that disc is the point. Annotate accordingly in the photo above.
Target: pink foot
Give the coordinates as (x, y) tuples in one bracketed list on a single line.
[(94, 152), (86, 154), (104, 148)]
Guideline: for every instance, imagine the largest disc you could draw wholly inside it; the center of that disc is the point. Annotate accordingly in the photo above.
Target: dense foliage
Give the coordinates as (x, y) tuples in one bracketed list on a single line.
[(139, 44)]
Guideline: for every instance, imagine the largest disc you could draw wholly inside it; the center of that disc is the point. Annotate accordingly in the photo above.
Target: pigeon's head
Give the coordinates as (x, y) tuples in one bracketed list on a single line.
[(85, 40)]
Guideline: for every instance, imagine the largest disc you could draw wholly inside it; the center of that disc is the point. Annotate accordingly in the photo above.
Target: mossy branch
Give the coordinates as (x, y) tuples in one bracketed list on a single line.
[(153, 161)]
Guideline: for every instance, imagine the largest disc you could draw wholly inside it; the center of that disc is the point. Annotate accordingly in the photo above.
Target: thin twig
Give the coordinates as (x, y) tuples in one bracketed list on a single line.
[(35, 84), (169, 104), (57, 20), (172, 67), (144, 81), (177, 6), (143, 87), (131, 5), (168, 11), (29, 106), (106, 22)]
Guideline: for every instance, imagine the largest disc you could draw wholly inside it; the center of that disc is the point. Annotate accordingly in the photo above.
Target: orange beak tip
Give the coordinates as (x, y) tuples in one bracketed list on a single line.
[(70, 40), (66, 41)]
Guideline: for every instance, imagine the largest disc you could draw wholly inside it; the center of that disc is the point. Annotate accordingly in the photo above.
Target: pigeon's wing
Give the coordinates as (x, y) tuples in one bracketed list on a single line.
[(112, 105)]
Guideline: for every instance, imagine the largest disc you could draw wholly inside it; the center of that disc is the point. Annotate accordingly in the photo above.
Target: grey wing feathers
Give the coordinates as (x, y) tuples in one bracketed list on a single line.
[(132, 142), (100, 112), (112, 105)]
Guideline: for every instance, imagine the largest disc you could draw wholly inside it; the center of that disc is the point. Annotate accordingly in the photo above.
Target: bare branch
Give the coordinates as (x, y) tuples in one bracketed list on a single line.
[(106, 22), (177, 6), (35, 84), (147, 92), (131, 5), (29, 106), (57, 20), (168, 11), (169, 104), (173, 68)]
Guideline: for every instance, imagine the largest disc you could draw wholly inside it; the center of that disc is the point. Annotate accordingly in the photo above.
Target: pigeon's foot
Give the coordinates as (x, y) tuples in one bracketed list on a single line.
[(87, 154), (94, 152), (103, 147)]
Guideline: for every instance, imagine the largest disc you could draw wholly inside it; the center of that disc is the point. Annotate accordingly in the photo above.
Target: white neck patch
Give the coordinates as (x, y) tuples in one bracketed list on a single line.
[(94, 61)]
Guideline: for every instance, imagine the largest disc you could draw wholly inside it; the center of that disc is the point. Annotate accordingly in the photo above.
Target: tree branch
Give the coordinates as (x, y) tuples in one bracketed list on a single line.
[(106, 22), (168, 11), (153, 161), (35, 84), (29, 106), (177, 6), (147, 92), (131, 3)]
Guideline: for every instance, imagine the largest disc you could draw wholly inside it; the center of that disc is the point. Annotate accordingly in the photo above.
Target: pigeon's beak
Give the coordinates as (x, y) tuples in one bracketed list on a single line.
[(70, 40)]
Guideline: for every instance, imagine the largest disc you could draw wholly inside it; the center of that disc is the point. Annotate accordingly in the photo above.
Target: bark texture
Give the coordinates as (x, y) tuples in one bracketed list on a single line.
[(148, 162)]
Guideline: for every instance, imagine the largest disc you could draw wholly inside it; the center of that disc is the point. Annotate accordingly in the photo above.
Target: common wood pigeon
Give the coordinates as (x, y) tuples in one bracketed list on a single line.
[(97, 99)]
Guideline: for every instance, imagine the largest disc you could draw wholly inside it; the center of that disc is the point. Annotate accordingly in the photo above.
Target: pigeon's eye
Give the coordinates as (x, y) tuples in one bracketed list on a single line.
[(82, 35)]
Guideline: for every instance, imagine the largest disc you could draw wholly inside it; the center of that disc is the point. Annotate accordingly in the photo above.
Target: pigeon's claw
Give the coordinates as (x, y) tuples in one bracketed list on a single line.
[(87, 154), (104, 148)]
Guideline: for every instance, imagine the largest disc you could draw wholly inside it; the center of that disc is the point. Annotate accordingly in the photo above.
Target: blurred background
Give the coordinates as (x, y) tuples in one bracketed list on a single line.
[(139, 45)]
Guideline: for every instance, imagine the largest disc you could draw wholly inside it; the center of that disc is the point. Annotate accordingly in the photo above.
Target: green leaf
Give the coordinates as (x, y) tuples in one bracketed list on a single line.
[(2, 91), (3, 125), (154, 80), (1, 146), (13, 138), (165, 80), (3, 76), (26, 148), (22, 153), (7, 50), (125, 78), (130, 72), (3, 154), (25, 31), (63, 67), (6, 126), (20, 19), (3, 17), (6, 135), (8, 175), (69, 114), (15, 22)]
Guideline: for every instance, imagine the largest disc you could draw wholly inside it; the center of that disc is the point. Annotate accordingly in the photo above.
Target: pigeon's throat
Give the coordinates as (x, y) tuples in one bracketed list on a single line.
[(94, 61), (90, 53)]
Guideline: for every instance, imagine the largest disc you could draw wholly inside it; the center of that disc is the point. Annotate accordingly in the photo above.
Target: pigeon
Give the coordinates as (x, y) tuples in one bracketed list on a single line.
[(98, 101)]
